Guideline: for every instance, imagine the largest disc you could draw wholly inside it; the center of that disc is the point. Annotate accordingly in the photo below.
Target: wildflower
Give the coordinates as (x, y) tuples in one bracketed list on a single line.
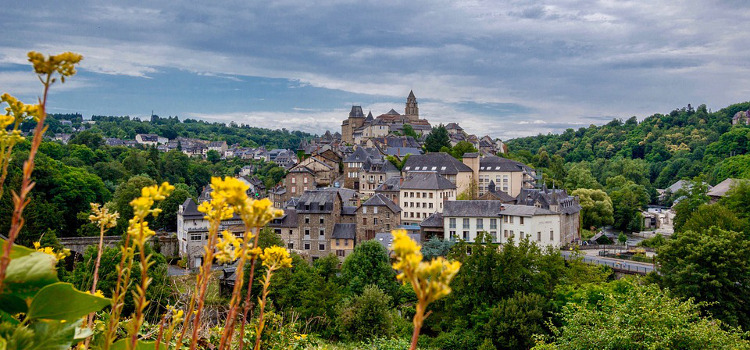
[(228, 247), (59, 255), (63, 63), (276, 257), (102, 217), (98, 293)]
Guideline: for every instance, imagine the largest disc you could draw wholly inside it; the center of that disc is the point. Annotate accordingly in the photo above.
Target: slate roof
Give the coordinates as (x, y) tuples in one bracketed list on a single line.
[(498, 195), (435, 220), (358, 156), (379, 166), (484, 208), (356, 112), (391, 185), (344, 231), (348, 210), (427, 180), (386, 238), (381, 201), (721, 189), (190, 210), (402, 151), (316, 201), (288, 220), (495, 163), (441, 162)]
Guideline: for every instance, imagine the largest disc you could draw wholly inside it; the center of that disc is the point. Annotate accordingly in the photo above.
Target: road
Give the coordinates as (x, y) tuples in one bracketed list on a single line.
[(617, 264)]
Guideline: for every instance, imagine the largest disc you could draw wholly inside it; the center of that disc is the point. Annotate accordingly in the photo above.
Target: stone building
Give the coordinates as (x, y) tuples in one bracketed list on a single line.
[(391, 188), (343, 239), (356, 120), (458, 173), (377, 214), (192, 231), (287, 228), (374, 173), (317, 212)]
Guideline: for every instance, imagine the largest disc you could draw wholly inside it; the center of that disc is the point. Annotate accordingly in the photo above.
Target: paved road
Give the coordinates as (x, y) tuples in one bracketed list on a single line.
[(617, 264)]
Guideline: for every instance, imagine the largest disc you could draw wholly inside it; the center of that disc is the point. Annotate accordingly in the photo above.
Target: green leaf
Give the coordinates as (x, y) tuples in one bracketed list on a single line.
[(60, 301), (6, 317), (16, 251), (54, 335), (27, 274), (12, 304), (83, 333), (122, 344)]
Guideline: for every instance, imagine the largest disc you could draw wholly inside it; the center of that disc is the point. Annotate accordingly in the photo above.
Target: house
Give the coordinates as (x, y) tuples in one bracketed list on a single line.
[(458, 173), (432, 227), (504, 222), (720, 190), (741, 117), (150, 139), (353, 164), (287, 228), (508, 175), (377, 214), (423, 193), (218, 146), (318, 212), (374, 172), (386, 240), (493, 195), (323, 172), (391, 189), (63, 137), (192, 231), (343, 239), (454, 129)]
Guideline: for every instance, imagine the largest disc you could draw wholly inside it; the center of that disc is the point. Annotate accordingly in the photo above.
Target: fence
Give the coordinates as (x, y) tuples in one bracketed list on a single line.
[(617, 266), (612, 247)]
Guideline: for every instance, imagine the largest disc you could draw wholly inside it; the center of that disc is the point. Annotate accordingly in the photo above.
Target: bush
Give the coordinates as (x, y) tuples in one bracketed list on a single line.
[(367, 316)]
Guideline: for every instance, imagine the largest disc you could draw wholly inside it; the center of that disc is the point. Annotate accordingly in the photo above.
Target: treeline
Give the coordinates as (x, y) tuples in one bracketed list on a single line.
[(171, 128), (683, 144), (69, 177)]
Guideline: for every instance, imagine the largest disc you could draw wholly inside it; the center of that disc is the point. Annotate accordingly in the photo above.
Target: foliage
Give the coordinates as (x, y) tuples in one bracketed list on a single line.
[(367, 265), (628, 199), (596, 207), (367, 315), (691, 200), (436, 247), (714, 215), (437, 139), (459, 149), (653, 242), (398, 163), (579, 176), (633, 316), (711, 266), (737, 199)]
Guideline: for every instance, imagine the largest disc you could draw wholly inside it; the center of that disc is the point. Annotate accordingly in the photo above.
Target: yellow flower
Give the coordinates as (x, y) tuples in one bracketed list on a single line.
[(430, 280), (276, 257), (51, 251), (228, 247), (63, 63), (98, 293), (102, 217)]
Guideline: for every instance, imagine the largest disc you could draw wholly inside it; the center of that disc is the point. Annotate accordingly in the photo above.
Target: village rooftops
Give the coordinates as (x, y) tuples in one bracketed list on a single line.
[(495, 163), (344, 231), (380, 200), (441, 162), (486, 208)]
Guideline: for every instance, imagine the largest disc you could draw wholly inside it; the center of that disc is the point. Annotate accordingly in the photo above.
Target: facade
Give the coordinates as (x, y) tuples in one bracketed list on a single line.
[(374, 173), (343, 239), (391, 189), (150, 139), (505, 222), (318, 211), (508, 175), (298, 180), (356, 120), (353, 164), (377, 214), (218, 146), (287, 228), (423, 193), (192, 232)]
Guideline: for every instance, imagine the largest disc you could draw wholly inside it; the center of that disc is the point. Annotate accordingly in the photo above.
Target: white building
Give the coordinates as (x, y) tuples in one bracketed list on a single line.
[(422, 194), (150, 139), (465, 219)]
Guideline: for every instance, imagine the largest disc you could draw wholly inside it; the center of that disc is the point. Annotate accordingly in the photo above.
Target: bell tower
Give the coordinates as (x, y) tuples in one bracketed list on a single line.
[(412, 109)]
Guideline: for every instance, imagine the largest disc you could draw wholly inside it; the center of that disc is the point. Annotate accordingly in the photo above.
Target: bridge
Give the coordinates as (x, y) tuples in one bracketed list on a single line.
[(620, 266), (167, 243)]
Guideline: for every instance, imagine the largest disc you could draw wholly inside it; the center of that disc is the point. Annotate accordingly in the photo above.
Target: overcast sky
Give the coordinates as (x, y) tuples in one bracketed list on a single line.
[(504, 68)]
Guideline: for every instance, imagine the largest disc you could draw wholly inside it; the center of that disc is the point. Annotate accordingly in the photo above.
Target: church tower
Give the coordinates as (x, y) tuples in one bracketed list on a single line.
[(412, 110)]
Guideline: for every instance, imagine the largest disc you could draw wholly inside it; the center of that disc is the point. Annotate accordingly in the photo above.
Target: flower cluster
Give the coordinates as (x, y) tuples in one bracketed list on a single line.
[(102, 217), (142, 207), (276, 257), (59, 255), (63, 63), (17, 111), (430, 279)]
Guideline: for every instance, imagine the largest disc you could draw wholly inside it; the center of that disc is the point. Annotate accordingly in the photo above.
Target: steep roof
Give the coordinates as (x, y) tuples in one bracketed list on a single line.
[(390, 185), (392, 112), (356, 112), (190, 210), (426, 180), (288, 220), (721, 189), (380, 200), (344, 231), (495, 163), (441, 162), (317, 201), (358, 156), (484, 208), (434, 220)]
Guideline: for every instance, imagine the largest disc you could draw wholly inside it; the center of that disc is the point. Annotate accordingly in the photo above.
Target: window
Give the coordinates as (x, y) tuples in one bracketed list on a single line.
[(277, 230), (364, 210), (424, 195), (480, 224), (493, 224), (195, 237), (466, 235), (375, 210), (322, 232), (452, 235), (291, 232), (294, 189), (505, 233), (364, 221), (322, 246), (493, 234), (307, 219), (290, 245), (387, 227), (418, 195), (466, 222), (430, 195), (520, 236), (322, 220), (294, 180), (511, 233), (511, 219), (387, 215), (551, 235), (305, 180), (539, 236), (375, 221), (307, 246), (505, 219), (307, 232), (521, 220), (338, 242)]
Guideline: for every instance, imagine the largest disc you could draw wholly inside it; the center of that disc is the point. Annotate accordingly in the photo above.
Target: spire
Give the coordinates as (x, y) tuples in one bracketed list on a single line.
[(411, 94), (412, 108)]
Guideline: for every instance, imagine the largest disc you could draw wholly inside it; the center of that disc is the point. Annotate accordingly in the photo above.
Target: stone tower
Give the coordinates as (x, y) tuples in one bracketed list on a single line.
[(355, 120), (412, 109)]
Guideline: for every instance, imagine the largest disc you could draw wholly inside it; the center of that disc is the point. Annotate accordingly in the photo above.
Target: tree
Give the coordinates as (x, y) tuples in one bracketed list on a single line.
[(596, 207), (436, 247), (715, 215), (368, 264), (514, 321), (437, 139), (628, 199), (126, 192), (579, 176), (622, 238), (689, 201), (167, 219), (629, 315), (409, 131), (713, 267), (92, 140), (213, 156), (737, 198), (367, 315), (461, 148)]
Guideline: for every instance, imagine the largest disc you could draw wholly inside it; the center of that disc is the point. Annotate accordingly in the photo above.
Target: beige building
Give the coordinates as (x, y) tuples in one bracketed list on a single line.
[(459, 174), (423, 193), (508, 175)]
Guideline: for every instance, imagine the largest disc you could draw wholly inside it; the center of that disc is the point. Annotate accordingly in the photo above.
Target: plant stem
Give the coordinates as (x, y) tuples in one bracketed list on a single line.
[(19, 200), (226, 337), (90, 319), (261, 319), (246, 307), (140, 302)]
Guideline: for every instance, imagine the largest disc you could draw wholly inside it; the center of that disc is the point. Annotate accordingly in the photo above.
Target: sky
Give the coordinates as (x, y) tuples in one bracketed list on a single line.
[(503, 68)]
